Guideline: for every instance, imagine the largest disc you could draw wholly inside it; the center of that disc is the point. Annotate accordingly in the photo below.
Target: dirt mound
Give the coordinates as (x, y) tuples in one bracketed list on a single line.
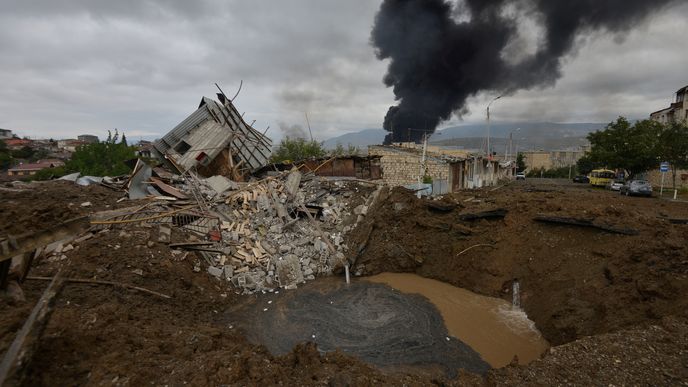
[(109, 335), (575, 281), (29, 207)]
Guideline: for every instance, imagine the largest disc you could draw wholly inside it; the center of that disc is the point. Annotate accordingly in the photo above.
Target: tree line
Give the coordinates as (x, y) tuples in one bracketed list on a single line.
[(637, 147)]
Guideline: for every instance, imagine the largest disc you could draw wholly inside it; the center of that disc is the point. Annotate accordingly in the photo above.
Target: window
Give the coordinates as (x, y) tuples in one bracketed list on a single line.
[(182, 147)]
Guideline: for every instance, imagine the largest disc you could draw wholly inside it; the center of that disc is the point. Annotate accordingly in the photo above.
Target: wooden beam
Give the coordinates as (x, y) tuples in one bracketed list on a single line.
[(21, 350)]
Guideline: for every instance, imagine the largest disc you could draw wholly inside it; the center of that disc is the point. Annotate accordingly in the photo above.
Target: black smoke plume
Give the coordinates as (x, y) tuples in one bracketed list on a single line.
[(442, 53)]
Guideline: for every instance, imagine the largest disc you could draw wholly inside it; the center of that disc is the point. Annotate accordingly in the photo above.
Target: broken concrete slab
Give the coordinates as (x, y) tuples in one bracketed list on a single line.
[(293, 181), (136, 186), (71, 177), (164, 233), (289, 270), (221, 184), (89, 180), (215, 271)]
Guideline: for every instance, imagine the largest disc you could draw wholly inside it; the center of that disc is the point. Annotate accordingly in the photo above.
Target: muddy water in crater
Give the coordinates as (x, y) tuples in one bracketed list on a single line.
[(488, 325)]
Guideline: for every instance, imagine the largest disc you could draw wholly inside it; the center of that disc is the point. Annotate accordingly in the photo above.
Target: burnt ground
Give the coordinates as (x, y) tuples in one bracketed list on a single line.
[(613, 306)]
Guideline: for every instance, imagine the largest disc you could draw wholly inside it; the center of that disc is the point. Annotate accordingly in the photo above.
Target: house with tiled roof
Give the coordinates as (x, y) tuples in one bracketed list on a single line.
[(28, 169)]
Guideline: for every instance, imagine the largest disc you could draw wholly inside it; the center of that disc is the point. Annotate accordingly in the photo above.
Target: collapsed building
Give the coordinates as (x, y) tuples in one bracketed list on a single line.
[(215, 140)]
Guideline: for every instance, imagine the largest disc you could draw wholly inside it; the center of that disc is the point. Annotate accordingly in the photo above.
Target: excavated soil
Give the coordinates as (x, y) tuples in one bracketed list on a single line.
[(574, 281), (613, 306), (29, 207)]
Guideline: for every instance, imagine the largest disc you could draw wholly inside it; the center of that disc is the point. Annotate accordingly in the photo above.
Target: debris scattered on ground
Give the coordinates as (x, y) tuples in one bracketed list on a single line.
[(580, 222), (276, 232)]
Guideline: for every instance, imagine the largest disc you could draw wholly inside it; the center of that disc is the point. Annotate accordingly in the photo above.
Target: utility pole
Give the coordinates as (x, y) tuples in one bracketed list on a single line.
[(489, 154), (421, 173), (309, 126)]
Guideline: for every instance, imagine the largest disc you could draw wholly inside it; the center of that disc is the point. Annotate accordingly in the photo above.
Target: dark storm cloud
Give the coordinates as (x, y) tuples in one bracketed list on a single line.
[(71, 67), (437, 62)]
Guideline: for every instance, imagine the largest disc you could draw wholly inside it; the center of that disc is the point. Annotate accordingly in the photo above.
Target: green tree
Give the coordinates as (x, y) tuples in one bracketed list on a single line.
[(49, 173), (351, 150), (24, 152), (520, 162), (102, 159), (296, 149), (625, 146), (338, 150), (585, 164), (673, 147)]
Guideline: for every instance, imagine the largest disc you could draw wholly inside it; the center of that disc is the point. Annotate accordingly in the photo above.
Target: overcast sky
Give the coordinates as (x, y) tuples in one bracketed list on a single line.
[(85, 66)]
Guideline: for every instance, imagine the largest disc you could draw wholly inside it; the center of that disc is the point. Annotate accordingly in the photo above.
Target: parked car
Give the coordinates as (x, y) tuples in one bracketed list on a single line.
[(636, 188), (521, 176), (615, 185), (581, 179)]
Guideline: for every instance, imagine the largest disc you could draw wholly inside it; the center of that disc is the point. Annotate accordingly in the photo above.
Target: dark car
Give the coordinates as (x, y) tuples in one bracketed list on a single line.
[(581, 179), (636, 188)]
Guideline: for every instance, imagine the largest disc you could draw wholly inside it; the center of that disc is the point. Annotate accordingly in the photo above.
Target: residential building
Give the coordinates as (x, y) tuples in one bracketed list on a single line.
[(214, 140), (402, 165), (88, 138), (353, 166), (551, 159), (5, 134), (144, 149), (69, 144), (27, 169), (17, 143), (677, 111)]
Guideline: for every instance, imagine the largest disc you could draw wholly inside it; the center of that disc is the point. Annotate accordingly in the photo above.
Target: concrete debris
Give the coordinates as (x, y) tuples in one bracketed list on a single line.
[(221, 184), (215, 271), (276, 232), (164, 234), (71, 177), (88, 180), (283, 231), (135, 186)]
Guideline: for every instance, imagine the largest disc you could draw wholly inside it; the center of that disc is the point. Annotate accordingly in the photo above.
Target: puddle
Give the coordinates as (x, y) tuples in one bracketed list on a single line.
[(382, 326), (488, 325), (398, 322)]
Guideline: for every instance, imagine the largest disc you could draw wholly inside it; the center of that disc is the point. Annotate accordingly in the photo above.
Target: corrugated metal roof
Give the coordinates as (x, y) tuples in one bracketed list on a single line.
[(210, 129)]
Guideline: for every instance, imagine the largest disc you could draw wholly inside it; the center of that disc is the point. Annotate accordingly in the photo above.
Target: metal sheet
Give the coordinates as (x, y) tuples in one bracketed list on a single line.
[(209, 130)]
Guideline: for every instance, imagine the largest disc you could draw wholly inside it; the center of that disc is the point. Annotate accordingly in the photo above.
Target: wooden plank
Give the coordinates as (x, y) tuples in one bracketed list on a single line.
[(30, 242), (582, 222), (168, 189), (20, 352)]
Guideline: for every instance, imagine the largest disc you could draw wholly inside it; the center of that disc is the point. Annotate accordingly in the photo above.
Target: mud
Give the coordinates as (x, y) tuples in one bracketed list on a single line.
[(575, 282), (389, 329), (613, 307), (491, 326)]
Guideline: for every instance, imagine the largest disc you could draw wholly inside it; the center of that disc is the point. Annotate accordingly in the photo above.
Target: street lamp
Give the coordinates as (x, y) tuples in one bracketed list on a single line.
[(488, 124)]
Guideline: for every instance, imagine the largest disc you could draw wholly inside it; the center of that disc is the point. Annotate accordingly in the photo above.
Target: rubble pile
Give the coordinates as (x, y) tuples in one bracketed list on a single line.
[(283, 231), (268, 234)]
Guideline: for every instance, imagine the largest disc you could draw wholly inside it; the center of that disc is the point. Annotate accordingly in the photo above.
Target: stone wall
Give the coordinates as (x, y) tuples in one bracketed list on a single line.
[(402, 168), (655, 178)]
